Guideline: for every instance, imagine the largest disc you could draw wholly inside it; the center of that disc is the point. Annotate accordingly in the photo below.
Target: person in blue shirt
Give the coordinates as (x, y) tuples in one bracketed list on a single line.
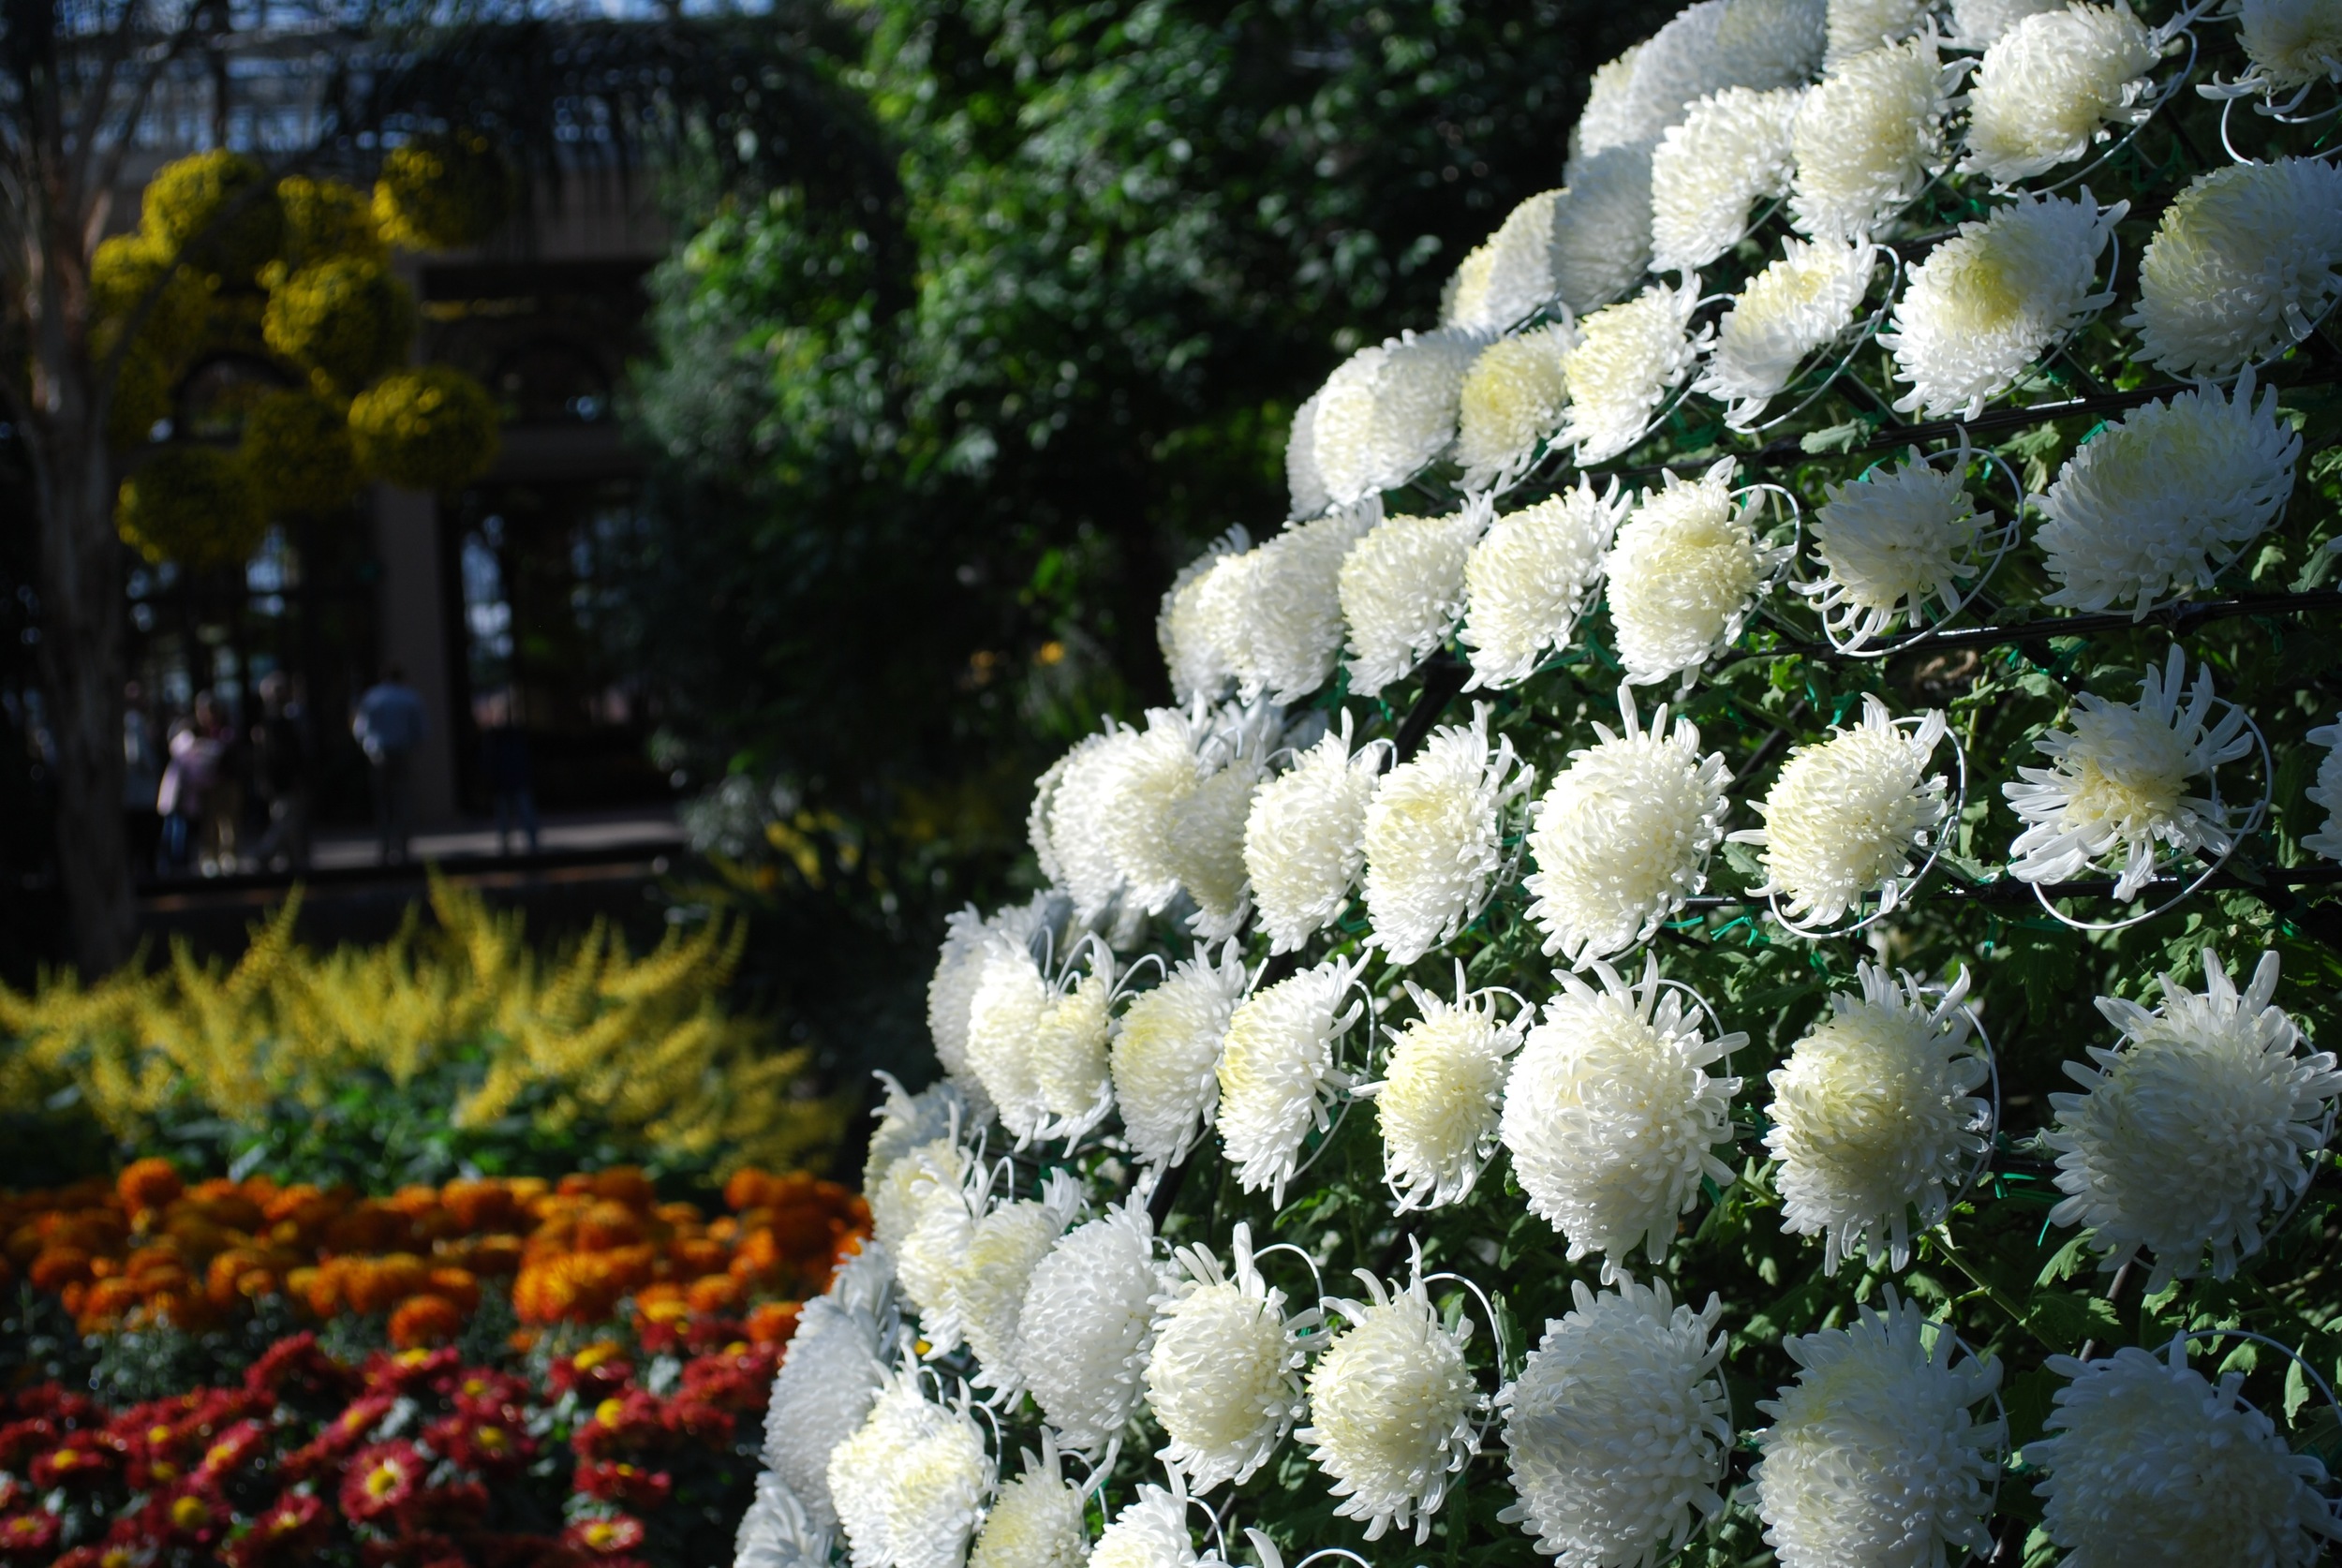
[(390, 727)]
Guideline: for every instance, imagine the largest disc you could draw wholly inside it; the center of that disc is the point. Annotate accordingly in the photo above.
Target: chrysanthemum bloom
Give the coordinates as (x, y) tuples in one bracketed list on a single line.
[(1009, 1001), (906, 1122), (987, 1293), (1611, 1117), (1391, 1408), (1166, 1053), (1070, 822), (2190, 1129), (1628, 358), (1530, 578), (1848, 816), (1277, 1069), (1224, 1377), (1513, 398), (933, 1205), (1890, 541), (1624, 835), (1875, 1117), (1388, 410), (2149, 1462), (1805, 298), (2293, 44), (1509, 275), (1150, 1532), (1305, 841), (1197, 649), (1305, 485), (909, 1483), (1770, 44), (1875, 1457), (2163, 500), (1435, 837), (1729, 153), (2052, 84), (1067, 1054), (1857, 26), (2117, 780), (1602, 227), (820, 1396), (1036, 1521), (777, 1531), (1442, 1094), (2327, 792), (2240, 264), (1640, 94), (953, 989), (1982, 23), (1867, 139), (1988, 300), (1203, 831), (1402, 590), (1684, 571), (1157, 770), (1618, 1427), (1088, 1323), (1285, 606)]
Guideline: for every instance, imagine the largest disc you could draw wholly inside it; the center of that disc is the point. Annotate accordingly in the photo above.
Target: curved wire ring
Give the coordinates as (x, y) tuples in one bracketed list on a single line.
[(1761, 596), (2249, 823), (2152, 105), (1316, 1278), (1715, 1024), (1496, 1336), (2284, 116), (1889, 903), (1342, 1111), (1869, 329), (2007, 533)]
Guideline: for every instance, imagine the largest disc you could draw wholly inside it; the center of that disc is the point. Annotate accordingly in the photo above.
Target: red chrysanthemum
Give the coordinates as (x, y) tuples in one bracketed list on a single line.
[(383, 1479), (606, 1537), (621, 1483)]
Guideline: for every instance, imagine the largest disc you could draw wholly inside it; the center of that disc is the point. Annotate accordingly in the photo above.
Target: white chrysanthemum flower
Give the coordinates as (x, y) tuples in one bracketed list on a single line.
[(1624, 835), (2163, 500), (1628, 358), (1204, 841), (2293, 44), (1644, 90), (953, 988), (2117, 780), (1988, 300), (1009, 999), (1157, 772), (820, 1397), (986, 1295), (1401, 589), (1684, 571), (1509, 277), (1770, 44), (1305, 839), (1197, 647), (1513, 398), (1038, 1520), (2149, 1462), (1305, 485), (2052, 84), (1283, 606), (1087, 1323), (909, 1483), (1890, 542), (1442, 1093), (1729, 153), (2242, 263), (777, 1531), (906, 1122), (1277, 1069), (1848, 816), (1868, 139), (1150, 1532), (1612, 1118), (1875, 1117), (1805, 298), (927, 1191), (2326, 790), (1875, 1457), (1391, 1408), (1982, 23), (1166, 1053), (1388, 410), (1530, 578), (1071, 822), (2195, 1125), (1435, 837), (1618, 1427), (1602, 227), (1225, 1378), (1856, 26)]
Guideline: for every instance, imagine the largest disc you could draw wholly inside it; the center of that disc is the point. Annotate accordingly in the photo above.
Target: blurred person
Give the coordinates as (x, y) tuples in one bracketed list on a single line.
[(280, 777), (390, 727), (221, 805), (504, 761), (141, 781), (180, 799)]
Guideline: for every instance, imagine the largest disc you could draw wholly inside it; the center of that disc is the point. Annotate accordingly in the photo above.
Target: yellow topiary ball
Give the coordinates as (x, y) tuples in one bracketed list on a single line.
[(193, 505), (219, 208), (428, 429), (325, 219), (345, 320), (298, 450), (125, 270), (442, 192)]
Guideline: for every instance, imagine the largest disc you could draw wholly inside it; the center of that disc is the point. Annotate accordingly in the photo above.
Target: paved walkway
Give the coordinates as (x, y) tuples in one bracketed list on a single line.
[(650, 830)]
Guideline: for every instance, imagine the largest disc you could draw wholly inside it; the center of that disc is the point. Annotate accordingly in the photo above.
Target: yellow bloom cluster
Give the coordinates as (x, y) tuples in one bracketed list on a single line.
[(194, 505), (209, 201), (345, 320), (298, 450), (428, 429), (442, 192), (641, 1046)]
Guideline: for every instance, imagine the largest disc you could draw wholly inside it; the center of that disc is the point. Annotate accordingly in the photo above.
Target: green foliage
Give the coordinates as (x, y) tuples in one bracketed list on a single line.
[(428, 429), (194, 505)]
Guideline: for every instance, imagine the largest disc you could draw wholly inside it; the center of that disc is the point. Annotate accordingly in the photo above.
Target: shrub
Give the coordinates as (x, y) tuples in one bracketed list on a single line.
[(428, 429), (197, 506)]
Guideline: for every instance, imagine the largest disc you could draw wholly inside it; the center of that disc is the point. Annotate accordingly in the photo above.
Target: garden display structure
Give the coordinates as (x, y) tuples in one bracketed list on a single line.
[(1443, 1108)]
